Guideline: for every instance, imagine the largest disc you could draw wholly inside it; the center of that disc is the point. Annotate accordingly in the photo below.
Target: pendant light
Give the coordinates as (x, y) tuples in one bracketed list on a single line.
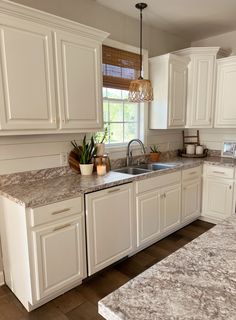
[(140, 90)]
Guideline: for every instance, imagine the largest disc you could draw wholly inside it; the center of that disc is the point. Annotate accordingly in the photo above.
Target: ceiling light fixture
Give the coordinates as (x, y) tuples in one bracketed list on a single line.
[(140, 90)]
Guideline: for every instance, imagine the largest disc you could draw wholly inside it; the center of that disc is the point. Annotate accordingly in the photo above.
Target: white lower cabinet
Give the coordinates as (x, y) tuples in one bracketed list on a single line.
[(59, 256), (164, 205), (218, 192), (171, 207), (148, 207), (191, 199), (158, 208), (43, 249), (109, 224), (218, 198)]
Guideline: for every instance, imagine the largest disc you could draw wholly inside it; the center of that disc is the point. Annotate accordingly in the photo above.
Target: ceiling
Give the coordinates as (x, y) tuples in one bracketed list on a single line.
[(190, 19)]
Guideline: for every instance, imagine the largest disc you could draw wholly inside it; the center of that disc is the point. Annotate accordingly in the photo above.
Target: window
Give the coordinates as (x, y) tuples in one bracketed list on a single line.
[(120, 117)]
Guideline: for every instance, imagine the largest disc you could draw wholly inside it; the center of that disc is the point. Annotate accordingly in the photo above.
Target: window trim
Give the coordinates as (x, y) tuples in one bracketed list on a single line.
[(143, 107)]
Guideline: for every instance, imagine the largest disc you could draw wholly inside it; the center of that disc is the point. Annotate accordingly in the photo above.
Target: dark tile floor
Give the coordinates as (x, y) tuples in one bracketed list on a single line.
[(81, 302)]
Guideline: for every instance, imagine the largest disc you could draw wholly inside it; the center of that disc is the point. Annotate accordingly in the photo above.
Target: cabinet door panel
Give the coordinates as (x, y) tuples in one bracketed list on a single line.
[(191, 199), (217, 198), (177, 94), (80, 85), (226, 94), (27, 83), (148, 217), (201, 90), (109, 217), (60, 256), (171, 207)]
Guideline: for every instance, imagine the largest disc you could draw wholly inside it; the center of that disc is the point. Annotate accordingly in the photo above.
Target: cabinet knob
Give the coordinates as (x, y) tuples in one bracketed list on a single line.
[(230, 187)]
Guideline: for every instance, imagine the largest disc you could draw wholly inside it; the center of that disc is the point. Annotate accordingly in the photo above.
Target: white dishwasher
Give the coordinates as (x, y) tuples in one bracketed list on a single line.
[(109, 225)]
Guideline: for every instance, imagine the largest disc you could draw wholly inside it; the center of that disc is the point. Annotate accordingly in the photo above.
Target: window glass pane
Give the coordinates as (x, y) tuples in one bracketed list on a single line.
[(116, 111), (125, 94), (114, 93), (116, 132), (131, 112), (104, 92), (130, 131), (105, 111)]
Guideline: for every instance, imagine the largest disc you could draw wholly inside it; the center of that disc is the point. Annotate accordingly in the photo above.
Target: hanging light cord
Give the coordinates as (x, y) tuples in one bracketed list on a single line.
[(141, 43)]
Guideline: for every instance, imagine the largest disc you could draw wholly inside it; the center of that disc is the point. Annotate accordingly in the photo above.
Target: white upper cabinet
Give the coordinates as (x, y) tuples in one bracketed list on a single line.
[(50, 73), (201, 85), (27, 91), (168, 74), (80, 83), (225, 116)]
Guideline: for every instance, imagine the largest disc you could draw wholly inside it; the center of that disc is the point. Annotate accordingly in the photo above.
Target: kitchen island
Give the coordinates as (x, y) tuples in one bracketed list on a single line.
[(196, 282)]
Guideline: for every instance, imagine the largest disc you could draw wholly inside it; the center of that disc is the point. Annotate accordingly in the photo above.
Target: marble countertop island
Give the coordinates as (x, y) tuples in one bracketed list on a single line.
[(196, 282)]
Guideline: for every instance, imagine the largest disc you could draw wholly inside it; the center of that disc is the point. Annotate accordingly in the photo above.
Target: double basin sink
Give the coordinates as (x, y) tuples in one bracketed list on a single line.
[(145, 168)]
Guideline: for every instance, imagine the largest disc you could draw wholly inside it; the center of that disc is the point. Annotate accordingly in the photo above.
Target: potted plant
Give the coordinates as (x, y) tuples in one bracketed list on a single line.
[(99, 138), (154, 153), (86, 153)]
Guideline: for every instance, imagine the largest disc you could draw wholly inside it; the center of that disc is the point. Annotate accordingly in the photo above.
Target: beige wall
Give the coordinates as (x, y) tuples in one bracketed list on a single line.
[(225, 40), (121, 27)]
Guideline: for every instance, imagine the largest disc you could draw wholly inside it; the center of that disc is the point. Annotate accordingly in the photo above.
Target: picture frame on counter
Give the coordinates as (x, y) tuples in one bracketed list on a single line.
[(229, 149)]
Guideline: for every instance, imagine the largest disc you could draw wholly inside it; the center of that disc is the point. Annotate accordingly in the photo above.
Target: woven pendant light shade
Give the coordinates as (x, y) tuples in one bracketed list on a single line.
[(140, 91)]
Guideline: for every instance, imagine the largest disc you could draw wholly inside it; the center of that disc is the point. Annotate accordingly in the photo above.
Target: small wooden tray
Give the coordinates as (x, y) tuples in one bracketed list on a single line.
[(182, 153)]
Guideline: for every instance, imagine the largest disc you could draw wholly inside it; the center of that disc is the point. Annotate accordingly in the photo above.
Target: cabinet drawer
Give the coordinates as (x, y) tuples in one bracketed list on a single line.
[(219, 172), (192, 173), (55, 211), (157, 182)]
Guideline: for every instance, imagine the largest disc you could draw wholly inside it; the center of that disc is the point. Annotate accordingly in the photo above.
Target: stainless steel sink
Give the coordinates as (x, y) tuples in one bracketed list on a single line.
[(133, 170), (157, 166), (145, 168)]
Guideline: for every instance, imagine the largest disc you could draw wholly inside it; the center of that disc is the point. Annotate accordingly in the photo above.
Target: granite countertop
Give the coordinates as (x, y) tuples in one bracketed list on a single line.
[(64, 186), (196, 282)]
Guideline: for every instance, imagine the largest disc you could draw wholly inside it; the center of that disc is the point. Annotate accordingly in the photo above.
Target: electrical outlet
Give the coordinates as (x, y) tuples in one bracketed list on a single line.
[(64, 158)]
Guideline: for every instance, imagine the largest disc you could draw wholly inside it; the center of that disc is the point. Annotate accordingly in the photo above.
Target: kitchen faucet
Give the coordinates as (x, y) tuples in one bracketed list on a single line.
[(129, 156)]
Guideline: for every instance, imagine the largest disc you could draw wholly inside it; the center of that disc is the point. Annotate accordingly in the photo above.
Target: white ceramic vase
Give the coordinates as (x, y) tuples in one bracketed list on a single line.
[(86, 169)]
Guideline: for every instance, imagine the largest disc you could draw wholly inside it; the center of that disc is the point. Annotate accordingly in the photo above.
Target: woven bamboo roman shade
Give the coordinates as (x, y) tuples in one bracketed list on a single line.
[(119, 67)]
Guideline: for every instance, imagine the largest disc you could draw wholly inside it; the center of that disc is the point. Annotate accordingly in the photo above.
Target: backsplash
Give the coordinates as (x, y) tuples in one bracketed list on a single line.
[(26, 153), (213, 139), (34, 175)]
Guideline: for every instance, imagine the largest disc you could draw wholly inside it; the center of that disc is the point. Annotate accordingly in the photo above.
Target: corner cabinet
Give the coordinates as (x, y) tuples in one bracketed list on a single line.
[(218, 192), (168, 74), (50, 80), (225, 116), (109, 226), (201, 85)]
